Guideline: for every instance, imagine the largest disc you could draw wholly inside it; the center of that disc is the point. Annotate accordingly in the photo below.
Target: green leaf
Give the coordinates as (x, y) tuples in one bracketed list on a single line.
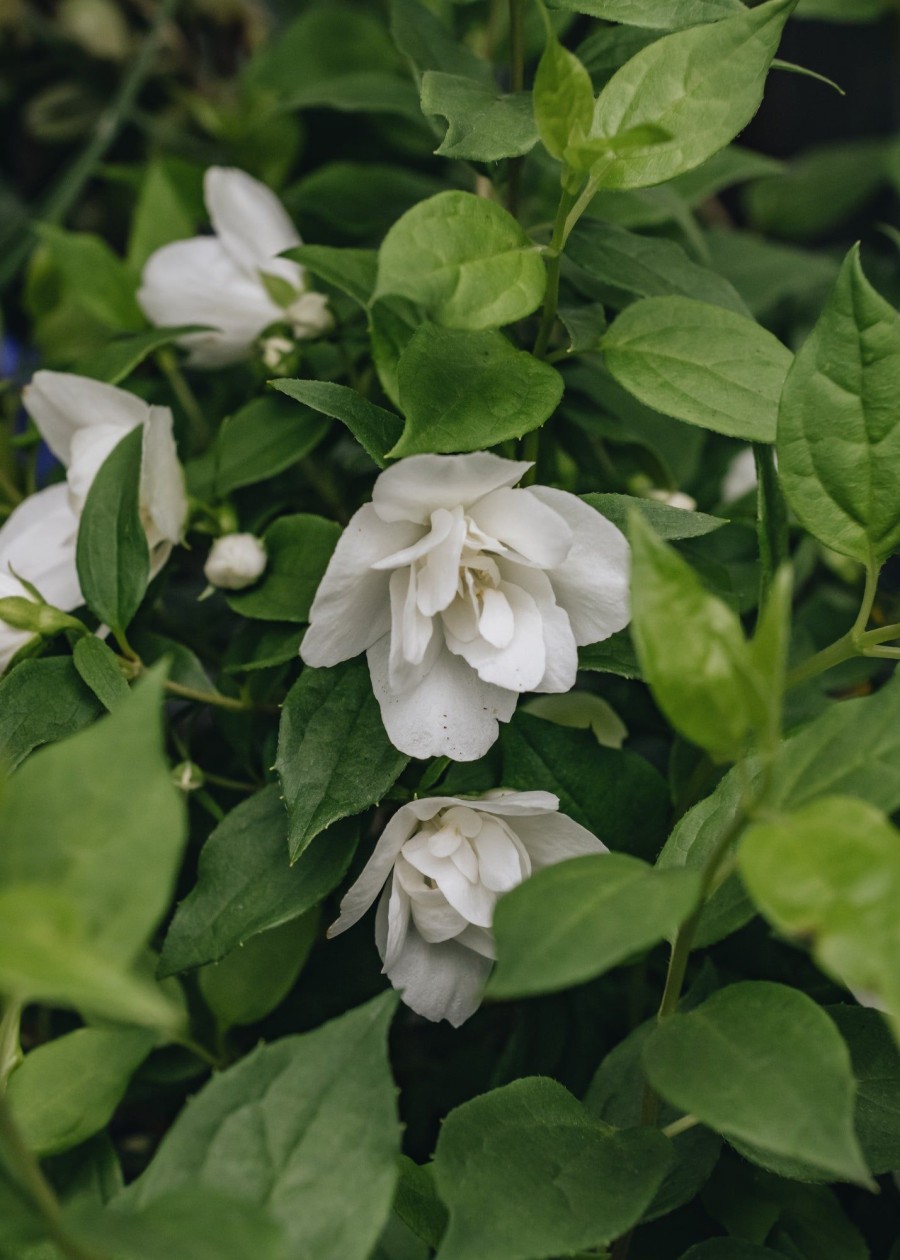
[(101, 283), (119, 357), (563, 98), (263, 646), (583, 711), (298, 549), (663, 15), (169, 207), (691, 648), (526, 1171), (700, 364), (614, 655), (99, 668), (112, 556), (701, 85), (585, 326), (838, 428), (729, 1249), (876, 1066), (357, 92), (768, 275), (718, 1063), (41, 702), (613, 792), (463, 391), (482, 125), (430, 45), (465, 260), (830, 873), (352, 271), (375, 429), (598, 912), (260, 440), (667, 522), (254, 979), (417, 1203), (628, 266), (245, 884), (334, 758), (67, 1090), (292, 1126)]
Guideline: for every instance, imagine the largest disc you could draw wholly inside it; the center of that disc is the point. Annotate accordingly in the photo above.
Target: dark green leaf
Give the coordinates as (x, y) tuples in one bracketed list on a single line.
[(352, 271), (298, 549), (876, 1066), (41, 702), (375, 429), (256, 977), (119, 357), (668, 522), (99, 668), (614, 655)]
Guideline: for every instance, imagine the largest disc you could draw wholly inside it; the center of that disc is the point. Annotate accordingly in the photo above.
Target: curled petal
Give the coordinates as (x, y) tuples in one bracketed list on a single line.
[(536, 532), (162, 493), (248, 219), (374, 874), (38, 541), (63, 405), (521, 664), (413, 488)]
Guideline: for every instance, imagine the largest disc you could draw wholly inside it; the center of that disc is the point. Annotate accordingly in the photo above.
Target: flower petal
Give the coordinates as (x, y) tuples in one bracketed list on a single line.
[(520, 665), (248, 219), (539, 535), (62, 404), (591, 584), (360, 895), (38, 540), (503, 860), (469, 897), (162, 492), (413, 488), (443, 981), (398, 909), (554, 838), (451, 712), (352, 605), (559, 641)]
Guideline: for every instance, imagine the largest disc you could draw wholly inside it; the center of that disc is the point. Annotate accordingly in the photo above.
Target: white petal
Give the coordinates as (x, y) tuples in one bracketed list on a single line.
[(559, 641), (497, 624), (554, 838), (38, 541), (435, 918), (415, 641), (248, 218), (196, 282), (535, 531), (439, 570), (740, 477), (360, 895), (310, 315), (89, 450), (443, 981), (591, 584), (162, 493), (413, 488), (450, 713), (503, 861), (61, 404), (465, 894), (442, 524), (520, 665), (352, 605), (397, 920)]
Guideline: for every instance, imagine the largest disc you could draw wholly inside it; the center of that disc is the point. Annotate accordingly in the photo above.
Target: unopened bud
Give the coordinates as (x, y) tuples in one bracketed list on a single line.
[(235, 561), (43, 619), (275, 350), (187, 776)]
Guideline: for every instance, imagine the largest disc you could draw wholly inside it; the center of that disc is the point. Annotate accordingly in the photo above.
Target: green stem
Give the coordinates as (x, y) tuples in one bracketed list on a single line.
[(835, 654), (553, 259), (517, 84), (65, 194), (680, 1126), (10, 1049), (207, 697), (854, 643), (168, 364), (771, 518)]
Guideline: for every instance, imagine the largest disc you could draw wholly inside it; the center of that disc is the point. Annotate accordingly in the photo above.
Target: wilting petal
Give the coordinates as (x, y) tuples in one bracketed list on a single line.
[(450, 713), (62, 405), (374, 874), (162, 494), (555, 837), (352, 606), (443, 981), (591, 584), (521, 664), (413, 488), (38, 541), (539, 534), (249, 220)]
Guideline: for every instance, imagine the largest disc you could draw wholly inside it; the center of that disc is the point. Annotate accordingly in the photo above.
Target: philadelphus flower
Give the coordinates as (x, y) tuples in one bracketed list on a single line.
[(442, 863), (220, 280), (465, 593), (235, 561), (82, 421)]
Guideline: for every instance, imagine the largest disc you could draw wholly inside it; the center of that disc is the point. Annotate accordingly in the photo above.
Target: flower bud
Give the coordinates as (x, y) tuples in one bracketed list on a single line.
[(235, 561), (27, 614)]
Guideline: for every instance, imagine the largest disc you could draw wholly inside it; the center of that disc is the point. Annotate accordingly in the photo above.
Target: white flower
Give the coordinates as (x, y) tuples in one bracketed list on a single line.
[(443, 862), (219, 280), (235, 561), (38, 541), (83, 420), (740, 477), (465, 593)]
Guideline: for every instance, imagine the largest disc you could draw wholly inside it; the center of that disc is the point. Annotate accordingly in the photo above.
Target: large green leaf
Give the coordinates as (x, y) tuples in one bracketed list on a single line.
[(41, 702), (662, 15), (563, 97), (876, 1066), (482, 125), (119, 357), (245, 884), (598, 912), (668, 522), (700, 364), (112, 555), (298, 548), (376, 429), (763, 1065), (250, 982), (838, 427), (465, 260), (296, 1126), (702, 86), (334, 758), (526, 1171), (100, 282), (463, 391)]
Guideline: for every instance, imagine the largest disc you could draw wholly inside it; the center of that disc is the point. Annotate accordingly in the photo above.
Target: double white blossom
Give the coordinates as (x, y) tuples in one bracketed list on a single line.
[(465, 593), (220, 280), (442, 863)]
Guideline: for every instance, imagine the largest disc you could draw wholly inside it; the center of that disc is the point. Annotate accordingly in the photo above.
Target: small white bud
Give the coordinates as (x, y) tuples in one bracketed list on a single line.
[(275, 350), (235, 561)]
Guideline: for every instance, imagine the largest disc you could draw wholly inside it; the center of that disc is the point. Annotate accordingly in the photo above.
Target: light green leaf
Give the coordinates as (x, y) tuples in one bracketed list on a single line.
[(701, 85), (112, 555), (669, 15), (719, 1063), (352, 271), (482, 125), (169, 207), (465, 260), (701, 364), (99, 668), (119, 357), (256, 977), (41, 702), (767, 274), (830, 873), (291, 1127), (668, 522), (67, 1090), (392, 322), (598, 912), (334, 758), (298, 549), (526, 1171), (563, 98), (375, 429), (838, 426), (245, 884), (463, 391), (100, 282)]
